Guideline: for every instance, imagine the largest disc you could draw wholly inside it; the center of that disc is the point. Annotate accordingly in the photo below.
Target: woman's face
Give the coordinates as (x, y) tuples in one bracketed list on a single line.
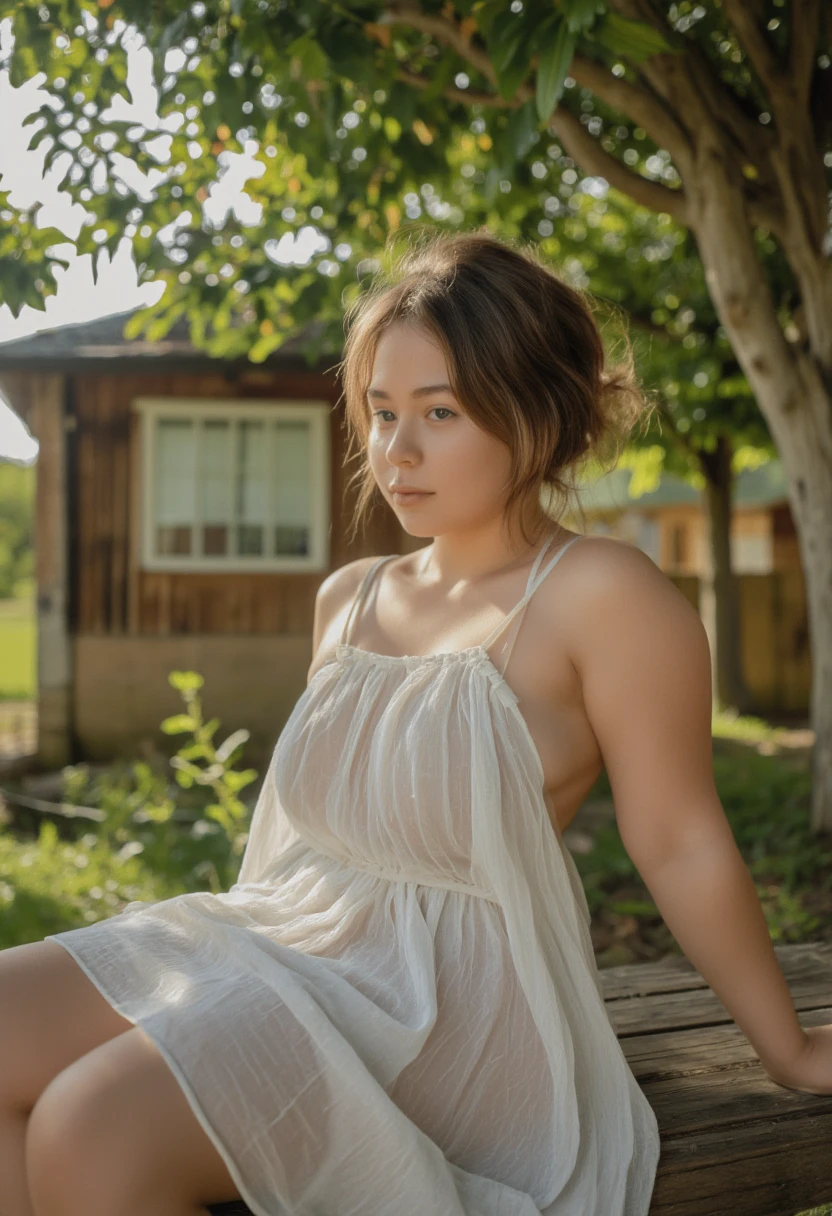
[(421, 436)]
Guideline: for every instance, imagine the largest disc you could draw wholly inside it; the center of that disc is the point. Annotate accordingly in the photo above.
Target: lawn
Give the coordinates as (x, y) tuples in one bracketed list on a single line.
[(18, 649), (763, 777)]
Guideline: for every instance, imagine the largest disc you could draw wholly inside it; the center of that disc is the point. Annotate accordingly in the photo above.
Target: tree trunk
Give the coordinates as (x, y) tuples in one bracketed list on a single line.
[(795, 399), (719, 599)]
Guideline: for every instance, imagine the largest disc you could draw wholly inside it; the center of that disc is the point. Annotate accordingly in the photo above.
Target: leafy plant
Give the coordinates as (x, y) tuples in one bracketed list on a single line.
[(218, 774), (142, 812)]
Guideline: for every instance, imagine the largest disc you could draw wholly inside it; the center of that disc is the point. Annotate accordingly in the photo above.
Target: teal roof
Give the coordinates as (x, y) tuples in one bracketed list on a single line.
[(760, 487)]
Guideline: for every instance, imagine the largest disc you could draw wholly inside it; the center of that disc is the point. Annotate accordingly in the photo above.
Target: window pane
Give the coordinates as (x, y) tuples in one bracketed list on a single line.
[(252, 488), (292, 527), (175, 489), (215, 491)]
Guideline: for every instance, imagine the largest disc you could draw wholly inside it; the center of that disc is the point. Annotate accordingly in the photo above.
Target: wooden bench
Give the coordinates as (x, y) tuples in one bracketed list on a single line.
[(733, 1142)]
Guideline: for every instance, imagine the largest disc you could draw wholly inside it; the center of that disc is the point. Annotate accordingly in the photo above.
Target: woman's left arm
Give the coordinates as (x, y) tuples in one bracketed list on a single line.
[(642, 655)]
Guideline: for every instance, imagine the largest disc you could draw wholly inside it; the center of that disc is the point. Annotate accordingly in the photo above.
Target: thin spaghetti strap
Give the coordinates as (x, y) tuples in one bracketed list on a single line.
[(533, 583), (508, 643), (358, 600)]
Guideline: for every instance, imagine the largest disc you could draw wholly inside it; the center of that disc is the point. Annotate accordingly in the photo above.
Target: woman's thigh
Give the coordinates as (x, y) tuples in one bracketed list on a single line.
[(50, 1015), (116, 1128)]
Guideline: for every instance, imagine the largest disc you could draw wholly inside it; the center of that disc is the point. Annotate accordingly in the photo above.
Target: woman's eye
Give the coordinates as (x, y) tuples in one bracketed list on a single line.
[(443, 409)]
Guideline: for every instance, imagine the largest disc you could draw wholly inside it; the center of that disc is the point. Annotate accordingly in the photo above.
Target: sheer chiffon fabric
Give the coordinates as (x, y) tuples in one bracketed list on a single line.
[(395, 1010)]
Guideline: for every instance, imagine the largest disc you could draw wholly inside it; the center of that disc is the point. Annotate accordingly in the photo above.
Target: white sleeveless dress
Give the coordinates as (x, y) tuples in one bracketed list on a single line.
[(395, 1010)]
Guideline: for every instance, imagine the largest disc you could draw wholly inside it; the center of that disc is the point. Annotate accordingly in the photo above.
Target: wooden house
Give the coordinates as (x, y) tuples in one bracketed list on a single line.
[(187, 510)]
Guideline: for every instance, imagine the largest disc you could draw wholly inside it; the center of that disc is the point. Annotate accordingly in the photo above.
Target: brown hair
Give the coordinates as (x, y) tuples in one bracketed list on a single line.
[(524, 355)]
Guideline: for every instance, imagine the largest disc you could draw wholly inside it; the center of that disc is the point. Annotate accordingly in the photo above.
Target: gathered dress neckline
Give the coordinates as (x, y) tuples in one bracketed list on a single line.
[(483, 659), (477, 655)]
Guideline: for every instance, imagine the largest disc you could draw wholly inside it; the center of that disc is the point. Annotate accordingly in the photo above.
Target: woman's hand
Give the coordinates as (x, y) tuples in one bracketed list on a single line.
[(811, 1072)]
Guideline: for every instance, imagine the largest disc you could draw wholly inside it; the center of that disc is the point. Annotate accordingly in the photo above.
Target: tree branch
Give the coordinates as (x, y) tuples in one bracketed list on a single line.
[(580, 145), (756, 46), (805, 31), (592, 158), (682, 441), (661, 125), (444, 30), (465, 96), (689, 85)]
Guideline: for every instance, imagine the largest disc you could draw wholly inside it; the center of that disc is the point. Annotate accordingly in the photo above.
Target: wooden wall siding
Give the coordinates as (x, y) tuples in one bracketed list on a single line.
[(112, 594), (17, 387), (121, 691), (776, 656)]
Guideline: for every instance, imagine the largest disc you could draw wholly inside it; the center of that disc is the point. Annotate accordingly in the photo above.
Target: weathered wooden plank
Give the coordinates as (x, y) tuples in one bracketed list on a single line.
[(767, 1167), (677, 974), (654, 1057), (699, 1007)]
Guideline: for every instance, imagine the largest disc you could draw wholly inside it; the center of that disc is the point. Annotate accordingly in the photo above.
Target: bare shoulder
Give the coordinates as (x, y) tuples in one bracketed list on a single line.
[(643, 660), (597, 560), (617, 592), (343, 581), (334, 597)]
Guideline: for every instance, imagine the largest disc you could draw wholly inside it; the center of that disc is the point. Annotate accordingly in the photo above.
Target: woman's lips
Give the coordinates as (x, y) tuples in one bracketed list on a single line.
[(406, 498)]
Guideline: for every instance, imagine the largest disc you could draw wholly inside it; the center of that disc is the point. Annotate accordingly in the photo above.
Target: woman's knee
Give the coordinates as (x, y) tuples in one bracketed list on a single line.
[(116, 1129), (50, 1015), (82, 1148)]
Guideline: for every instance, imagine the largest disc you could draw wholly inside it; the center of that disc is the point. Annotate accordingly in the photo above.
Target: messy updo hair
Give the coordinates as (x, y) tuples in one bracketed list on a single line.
[(525, 359)]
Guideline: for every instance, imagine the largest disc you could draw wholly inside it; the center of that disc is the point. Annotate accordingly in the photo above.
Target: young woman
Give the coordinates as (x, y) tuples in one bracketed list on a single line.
[(395, 1010)]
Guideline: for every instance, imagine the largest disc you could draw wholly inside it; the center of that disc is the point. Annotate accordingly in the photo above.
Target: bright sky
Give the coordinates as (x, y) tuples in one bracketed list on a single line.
[(21, 172)]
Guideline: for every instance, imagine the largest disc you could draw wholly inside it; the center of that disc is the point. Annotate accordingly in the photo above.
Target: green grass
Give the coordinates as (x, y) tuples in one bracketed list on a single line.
[(726, 725), (18, 650), (69, 873), (764, 783)]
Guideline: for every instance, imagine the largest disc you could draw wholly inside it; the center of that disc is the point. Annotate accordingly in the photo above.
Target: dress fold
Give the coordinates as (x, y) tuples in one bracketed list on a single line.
[(395, 1010)]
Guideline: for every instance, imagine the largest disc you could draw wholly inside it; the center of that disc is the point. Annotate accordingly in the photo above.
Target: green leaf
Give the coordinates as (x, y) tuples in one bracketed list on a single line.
[(178, 724), (552, 70), (172, 34), (521, 133), (312, 57), (185, 680), (210, 727), (632, 39), (77, 53), (194, 751), (236, 781), (511, 54), (160, 813), (579, 15)]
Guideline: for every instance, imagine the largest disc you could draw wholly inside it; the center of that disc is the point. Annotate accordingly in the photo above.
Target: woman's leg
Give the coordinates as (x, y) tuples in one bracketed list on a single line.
[(50, 1015), (14, 1189), (114, 1135)]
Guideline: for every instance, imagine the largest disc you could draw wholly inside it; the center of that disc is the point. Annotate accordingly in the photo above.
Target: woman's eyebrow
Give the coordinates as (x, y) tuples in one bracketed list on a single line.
[(417, 392)]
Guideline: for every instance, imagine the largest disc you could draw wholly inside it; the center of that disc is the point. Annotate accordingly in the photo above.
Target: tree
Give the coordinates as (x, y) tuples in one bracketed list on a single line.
[(717, 115)]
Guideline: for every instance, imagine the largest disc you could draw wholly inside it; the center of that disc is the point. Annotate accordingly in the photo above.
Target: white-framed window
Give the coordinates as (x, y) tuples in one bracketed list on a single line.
[(752, 553), (234, 484)]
